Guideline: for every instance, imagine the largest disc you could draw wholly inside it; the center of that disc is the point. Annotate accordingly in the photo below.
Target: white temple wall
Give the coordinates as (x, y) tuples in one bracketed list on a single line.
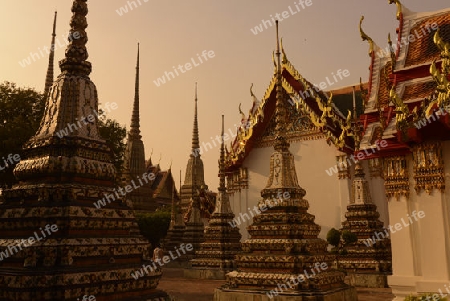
[(376, 186), (434, 233), (312, 159), (421, 251)]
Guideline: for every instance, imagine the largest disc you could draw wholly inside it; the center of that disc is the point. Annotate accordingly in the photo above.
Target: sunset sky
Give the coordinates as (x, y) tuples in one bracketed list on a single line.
[(319, 39)]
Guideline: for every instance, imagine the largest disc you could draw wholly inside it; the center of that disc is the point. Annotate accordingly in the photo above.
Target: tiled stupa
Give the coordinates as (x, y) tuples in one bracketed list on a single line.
[(93, 251), (222, 241), (284, 249), (369, 260)]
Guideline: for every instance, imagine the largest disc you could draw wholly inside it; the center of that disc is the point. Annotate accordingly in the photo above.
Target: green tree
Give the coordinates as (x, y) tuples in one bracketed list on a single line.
[(114, 134), (21, 110), (334, 237), (340, 239), (154, 225), (349, 237)]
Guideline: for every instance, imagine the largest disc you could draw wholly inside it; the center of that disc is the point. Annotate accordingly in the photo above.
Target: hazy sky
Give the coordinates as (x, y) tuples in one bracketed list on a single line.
[(319, 39)]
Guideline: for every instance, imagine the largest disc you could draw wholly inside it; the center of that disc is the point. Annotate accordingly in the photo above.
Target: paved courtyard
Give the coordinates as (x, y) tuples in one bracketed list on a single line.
[(203, 290)]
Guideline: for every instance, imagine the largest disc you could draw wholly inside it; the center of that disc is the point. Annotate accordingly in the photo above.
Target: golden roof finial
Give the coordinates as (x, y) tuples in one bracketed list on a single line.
[(242, 113), (274, 64), (251, 91), (391, 50), (399, 7), (284, 60), (365, 37), (445, 51)]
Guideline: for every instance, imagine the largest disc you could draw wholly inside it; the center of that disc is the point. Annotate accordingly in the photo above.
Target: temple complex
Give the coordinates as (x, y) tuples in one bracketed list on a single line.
[(406, 109), (222, 240), (74, 249), (283, 255)]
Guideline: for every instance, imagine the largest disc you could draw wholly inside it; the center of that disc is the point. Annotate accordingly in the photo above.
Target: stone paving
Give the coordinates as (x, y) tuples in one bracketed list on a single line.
[(182, 289)]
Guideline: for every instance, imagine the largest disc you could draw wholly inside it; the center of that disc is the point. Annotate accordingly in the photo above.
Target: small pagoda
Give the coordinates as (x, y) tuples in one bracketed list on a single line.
[(222, 241), (175, 234), (91, 251), (284, 256), (369, 260)]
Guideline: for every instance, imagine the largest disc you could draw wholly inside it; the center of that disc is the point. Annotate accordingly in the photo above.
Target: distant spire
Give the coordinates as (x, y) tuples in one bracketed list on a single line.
[(51, 58), (172, 214), (280, 108), (135, 126), (195, 138), (223, 202), (222, 187), (75, 61)]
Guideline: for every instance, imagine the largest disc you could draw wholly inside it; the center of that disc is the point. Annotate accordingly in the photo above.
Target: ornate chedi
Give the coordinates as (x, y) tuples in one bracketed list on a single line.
[(194, 167), (369, 260), (134, 159), (222, 240), (284, 251), (89, 251)]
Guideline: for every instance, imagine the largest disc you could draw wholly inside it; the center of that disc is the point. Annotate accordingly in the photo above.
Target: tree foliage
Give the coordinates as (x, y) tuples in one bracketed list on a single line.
[(21, 111), (349, 237), (334, 237), (154, 225), (114, 134)]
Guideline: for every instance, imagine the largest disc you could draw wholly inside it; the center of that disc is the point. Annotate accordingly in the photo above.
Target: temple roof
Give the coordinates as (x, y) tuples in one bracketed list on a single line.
[(398, 96), (420, 50), (161, 184), (315, 114)]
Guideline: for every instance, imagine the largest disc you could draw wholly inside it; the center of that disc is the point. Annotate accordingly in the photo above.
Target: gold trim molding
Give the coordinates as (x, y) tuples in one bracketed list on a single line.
[(396, 178), (428, 167)]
